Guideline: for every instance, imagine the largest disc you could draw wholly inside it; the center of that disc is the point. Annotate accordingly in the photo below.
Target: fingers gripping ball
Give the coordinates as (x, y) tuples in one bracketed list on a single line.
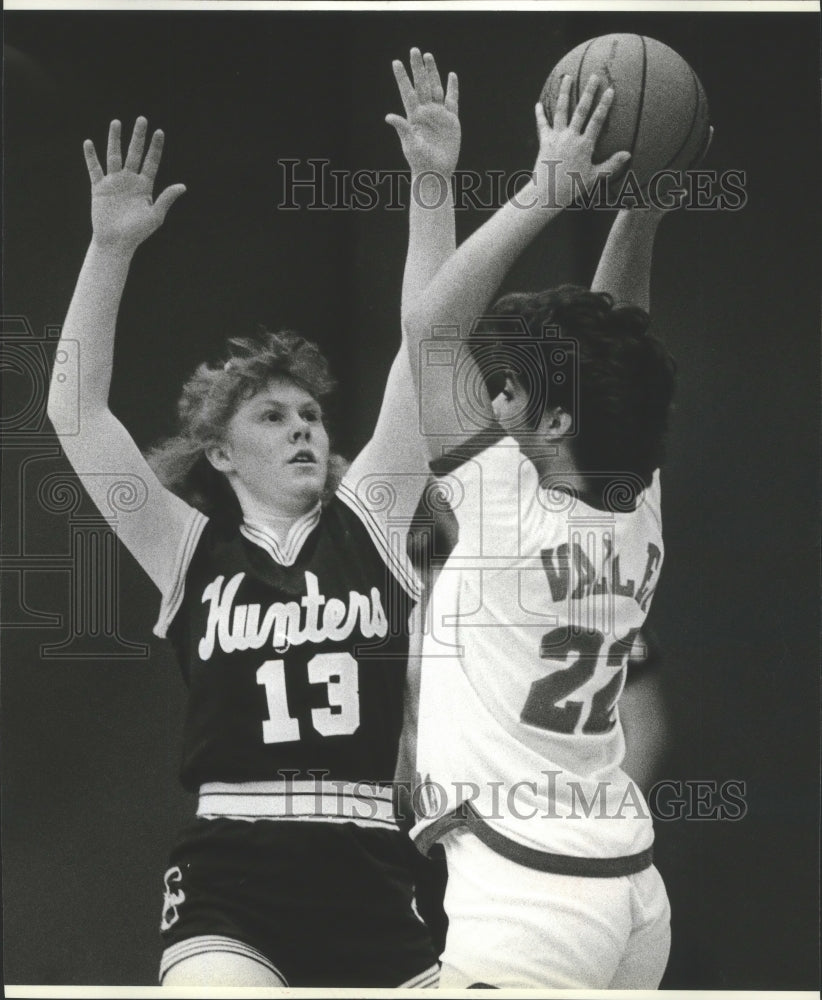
[(659, 112)]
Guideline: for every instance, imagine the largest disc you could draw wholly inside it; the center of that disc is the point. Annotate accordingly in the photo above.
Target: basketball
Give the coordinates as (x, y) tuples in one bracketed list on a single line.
[(660, 111)]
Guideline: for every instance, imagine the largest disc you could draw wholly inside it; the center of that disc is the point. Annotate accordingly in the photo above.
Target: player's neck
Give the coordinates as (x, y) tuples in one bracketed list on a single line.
[(555, 464), (278, 521)]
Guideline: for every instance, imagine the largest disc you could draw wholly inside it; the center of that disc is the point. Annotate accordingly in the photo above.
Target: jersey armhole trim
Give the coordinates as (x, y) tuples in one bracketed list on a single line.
[(173, 597), (426, 835), (653, 494), (397, 561)]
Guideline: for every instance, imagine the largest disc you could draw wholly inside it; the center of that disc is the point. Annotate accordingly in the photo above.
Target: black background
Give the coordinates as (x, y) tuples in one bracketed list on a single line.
[(90, 747)]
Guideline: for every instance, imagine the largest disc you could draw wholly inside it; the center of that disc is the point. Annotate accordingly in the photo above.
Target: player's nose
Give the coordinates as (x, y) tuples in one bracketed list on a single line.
[(300, 429)]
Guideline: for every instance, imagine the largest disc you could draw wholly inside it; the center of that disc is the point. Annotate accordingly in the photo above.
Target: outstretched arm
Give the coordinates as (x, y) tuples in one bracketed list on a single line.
[(396, 456), (624, 269), (430, 136), (123, 215), (463, 287)]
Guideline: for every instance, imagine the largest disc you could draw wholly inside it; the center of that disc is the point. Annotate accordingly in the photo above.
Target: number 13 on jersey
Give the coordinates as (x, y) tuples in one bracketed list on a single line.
[(339, 672)]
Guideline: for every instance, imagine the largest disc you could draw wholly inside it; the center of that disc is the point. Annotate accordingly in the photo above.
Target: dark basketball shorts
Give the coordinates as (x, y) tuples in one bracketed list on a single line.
[(323, 904)]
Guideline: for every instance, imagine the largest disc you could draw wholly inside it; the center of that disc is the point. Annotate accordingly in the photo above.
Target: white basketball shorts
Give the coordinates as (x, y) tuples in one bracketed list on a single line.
[(511, 926)]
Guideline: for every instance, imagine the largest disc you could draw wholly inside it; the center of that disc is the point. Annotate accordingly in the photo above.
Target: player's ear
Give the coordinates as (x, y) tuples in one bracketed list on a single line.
[(220, 457), (556, 422)]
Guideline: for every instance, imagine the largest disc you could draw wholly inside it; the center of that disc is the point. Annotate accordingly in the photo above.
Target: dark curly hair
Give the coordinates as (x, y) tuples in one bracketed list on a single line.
[(210, 398), (573, 348)]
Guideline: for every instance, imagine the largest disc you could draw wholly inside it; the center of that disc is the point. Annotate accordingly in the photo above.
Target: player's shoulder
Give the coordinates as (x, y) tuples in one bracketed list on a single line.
[(492, 457), (219, 540), (360, 535), (652, 495), (192, 551), (473, 449)]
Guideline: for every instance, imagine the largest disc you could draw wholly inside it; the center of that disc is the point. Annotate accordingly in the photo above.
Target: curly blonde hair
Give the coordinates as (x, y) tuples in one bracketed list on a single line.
[(210, 398)]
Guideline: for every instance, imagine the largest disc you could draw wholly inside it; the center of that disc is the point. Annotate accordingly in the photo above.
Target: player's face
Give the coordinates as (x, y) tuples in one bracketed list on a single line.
[(513, 409), (511, 405), (277, 447)]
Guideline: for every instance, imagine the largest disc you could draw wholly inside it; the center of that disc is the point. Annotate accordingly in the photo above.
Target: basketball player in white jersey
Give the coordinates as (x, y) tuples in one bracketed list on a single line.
[(548, 841)]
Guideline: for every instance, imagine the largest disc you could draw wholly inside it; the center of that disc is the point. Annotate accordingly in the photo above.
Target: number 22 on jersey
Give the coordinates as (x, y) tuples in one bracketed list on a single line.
[(542, 707), (339, 672)]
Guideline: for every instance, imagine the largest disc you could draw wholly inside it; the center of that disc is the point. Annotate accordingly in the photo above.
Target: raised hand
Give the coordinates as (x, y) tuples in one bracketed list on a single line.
[(123, 211), (568, 147), (430, 132)]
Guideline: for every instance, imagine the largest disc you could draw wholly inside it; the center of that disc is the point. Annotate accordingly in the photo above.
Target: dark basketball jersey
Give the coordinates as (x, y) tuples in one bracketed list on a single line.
[(294, 652)]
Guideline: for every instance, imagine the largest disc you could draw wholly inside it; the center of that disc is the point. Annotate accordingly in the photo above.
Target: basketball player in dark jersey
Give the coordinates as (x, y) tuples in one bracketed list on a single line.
[(286, 592)]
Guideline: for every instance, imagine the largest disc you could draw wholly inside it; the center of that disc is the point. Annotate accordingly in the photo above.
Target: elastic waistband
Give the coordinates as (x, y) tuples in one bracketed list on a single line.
[(543, 861), (308, 801)]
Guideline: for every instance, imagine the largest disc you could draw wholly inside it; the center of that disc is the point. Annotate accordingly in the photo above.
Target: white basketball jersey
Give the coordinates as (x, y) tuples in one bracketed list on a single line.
[(524, 659)]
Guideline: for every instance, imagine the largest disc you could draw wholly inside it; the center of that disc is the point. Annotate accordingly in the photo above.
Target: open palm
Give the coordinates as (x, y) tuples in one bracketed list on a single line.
[(430, 133), (123, 210), (566, 148)]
